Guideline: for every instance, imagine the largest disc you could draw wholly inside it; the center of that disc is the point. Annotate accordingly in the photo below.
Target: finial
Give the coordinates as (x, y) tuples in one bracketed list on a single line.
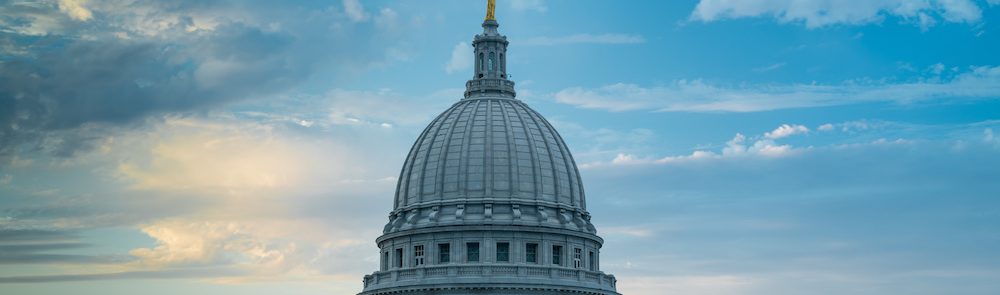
[(491, 6)]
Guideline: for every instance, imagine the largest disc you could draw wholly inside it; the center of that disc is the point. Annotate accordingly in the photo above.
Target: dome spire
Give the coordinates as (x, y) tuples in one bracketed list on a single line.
[(489, 78)]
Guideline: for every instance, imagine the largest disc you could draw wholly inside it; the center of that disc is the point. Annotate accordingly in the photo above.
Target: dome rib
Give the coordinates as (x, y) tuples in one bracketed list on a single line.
[(576, 187), (535, 168)]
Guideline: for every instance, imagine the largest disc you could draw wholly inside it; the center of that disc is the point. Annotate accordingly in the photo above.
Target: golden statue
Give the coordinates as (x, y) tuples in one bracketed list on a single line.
[(491, 5)]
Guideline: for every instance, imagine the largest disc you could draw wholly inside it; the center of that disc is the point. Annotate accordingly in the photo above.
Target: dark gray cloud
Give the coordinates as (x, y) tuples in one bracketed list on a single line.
[(46, 247), (40, 247), (116, 82), (65, 84), (165, 274), (8, 236), (49, 258)]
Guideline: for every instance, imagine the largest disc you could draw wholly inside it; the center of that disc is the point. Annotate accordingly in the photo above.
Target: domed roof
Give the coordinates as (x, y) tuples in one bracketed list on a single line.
[(489, 160), (498, 149)]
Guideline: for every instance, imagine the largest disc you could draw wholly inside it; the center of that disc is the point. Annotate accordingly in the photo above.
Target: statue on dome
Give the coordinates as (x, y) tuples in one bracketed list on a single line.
[(491, 6)]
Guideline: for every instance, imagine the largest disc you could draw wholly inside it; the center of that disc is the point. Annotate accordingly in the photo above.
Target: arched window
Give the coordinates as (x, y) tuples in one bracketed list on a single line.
[(482, 65), (492, 61)]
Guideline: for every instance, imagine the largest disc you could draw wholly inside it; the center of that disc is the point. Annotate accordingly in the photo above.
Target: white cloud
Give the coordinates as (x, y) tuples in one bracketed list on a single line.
[(770, 67), (387, 19), (584, 39), (764, 146), (786, 130), (735, 147), (988, 137), (229, 160), (698, 96), (75, 9), (235, 187), (215, 159), (355, 11), (372, 108), (180, 243), (534, 5), (832, 12), (461, 58), (257, 247), (936, 69)]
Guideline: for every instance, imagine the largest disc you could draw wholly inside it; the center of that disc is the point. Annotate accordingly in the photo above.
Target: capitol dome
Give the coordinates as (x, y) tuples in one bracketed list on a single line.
[(489, 200), (490, 159)]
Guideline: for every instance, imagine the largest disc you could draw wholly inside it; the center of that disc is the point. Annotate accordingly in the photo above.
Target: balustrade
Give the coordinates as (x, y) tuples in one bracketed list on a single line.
[(491, 271)]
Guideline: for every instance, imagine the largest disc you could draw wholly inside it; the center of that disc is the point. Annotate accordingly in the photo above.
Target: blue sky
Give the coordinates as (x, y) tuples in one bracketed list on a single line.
[(727, 147)]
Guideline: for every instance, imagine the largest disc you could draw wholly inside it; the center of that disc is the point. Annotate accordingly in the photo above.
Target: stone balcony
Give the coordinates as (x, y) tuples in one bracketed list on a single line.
[(478, 276), (478, 87)]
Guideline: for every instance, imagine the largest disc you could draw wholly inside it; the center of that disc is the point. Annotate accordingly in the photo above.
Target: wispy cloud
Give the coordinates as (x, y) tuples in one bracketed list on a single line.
[(699, 96), (27, 246), (584, 39), (201, 273), (770, 67), (355, 11), (816, 14), (461, 58)]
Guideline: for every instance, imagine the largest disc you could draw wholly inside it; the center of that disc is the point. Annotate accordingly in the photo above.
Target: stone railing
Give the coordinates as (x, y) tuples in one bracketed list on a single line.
[(472, 272), (489, 85)]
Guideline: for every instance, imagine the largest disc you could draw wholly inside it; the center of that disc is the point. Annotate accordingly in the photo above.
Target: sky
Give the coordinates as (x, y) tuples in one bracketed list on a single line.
[(727, 147)]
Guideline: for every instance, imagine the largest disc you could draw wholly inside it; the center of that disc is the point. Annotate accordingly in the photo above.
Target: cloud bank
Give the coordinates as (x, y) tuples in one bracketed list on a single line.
[(977, 83), (815, 14)]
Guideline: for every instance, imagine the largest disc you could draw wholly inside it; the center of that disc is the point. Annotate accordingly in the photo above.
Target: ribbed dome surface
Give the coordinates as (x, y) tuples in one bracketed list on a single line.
[(494, 150)]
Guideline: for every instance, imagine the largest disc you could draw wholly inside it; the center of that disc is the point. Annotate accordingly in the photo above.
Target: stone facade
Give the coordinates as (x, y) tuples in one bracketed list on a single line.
[(489, 200)]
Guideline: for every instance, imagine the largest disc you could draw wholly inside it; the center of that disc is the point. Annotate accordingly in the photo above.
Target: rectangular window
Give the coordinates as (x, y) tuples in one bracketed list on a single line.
[(531, 253), (385, 260), (399, 258), (444, 253), (577, 258), (418, 255), (472, 252), (590, 260), (503, 252), (556, 255)]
